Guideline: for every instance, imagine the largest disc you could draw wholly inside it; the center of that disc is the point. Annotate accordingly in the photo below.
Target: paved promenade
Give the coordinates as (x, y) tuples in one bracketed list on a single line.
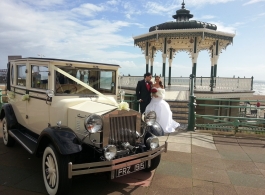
[(195, 163)]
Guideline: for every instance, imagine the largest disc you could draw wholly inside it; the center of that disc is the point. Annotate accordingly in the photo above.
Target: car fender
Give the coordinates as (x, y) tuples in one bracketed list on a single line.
[(8, 112), (63, 138)]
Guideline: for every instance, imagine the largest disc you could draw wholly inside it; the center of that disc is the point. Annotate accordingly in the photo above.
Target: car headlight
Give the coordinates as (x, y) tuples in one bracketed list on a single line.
[(110, 152), (150, 118), (156, 129), (93, 123), (152, 142)]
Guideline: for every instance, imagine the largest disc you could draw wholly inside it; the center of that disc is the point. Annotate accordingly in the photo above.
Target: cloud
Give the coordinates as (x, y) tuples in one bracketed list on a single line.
[(159, 8), (113, 2), (205, 2), (165, 7), (252, 2), (88, 9), (61, 34), (130, 9), (46, 3), (207, 17), (224, 28)]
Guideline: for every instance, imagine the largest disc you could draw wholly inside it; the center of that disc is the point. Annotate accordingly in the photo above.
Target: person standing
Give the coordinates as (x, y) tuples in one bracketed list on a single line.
[(258, 110), (158, 83), (143, 91), (162, 109)]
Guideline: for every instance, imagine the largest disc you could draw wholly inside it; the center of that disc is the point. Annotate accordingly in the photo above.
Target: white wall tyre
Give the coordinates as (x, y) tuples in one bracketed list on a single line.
[(55, 172), (7, 139)]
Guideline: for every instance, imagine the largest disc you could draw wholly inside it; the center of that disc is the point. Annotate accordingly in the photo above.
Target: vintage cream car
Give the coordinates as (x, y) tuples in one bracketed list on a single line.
[(66, 112)]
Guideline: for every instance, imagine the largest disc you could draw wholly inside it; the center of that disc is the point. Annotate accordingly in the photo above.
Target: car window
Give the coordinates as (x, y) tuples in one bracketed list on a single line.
[(107, 80), (39, 77), (21, 75), (101, 80)]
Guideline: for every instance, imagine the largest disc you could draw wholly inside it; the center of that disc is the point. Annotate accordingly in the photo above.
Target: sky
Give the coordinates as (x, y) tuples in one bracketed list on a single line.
[(103, 30)]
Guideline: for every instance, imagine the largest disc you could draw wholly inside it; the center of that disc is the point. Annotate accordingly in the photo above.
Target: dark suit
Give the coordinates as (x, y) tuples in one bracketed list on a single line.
[(144, 94)]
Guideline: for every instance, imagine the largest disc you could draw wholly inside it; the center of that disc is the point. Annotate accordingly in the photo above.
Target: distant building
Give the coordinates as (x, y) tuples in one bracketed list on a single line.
[(3, 75)]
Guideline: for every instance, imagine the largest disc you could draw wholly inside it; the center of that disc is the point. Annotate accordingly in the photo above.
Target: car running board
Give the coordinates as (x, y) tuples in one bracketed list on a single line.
[(26, 140)]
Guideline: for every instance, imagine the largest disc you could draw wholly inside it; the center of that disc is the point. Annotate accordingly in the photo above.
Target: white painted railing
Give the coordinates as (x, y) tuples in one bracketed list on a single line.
[(220, 84)]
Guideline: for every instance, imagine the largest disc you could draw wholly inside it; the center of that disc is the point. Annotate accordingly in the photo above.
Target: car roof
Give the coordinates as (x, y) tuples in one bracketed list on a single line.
[(63, 60)]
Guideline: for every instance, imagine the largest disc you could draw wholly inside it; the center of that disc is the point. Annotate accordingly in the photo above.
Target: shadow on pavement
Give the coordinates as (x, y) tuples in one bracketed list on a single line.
[(20, 173)]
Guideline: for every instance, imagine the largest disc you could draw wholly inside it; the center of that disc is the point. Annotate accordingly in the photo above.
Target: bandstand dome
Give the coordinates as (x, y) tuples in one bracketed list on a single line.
[(183, 25), (182, 22)]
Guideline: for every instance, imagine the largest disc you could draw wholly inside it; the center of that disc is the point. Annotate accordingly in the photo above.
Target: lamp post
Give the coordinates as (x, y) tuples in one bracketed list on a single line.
[(192, 104)]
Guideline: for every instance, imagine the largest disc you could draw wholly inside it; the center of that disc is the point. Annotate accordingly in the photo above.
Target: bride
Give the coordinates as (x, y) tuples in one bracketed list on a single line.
[(161, 107)]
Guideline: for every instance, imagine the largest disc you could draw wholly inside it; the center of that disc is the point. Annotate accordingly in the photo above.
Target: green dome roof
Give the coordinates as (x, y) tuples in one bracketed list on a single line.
[(183, 25)]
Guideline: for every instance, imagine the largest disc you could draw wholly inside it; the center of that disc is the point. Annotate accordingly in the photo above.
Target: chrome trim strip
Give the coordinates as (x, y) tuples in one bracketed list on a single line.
[(114, 164)]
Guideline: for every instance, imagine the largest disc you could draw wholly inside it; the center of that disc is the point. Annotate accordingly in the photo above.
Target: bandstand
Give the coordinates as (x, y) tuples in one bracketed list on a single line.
[(217, 96), (186, 35)]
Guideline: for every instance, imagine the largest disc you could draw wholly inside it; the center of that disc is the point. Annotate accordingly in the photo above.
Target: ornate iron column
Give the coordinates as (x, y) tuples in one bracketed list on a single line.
[(194, 59), (170, 64), (216, 57), (212, 69), (152, 59), (147, 57), (164, 56)]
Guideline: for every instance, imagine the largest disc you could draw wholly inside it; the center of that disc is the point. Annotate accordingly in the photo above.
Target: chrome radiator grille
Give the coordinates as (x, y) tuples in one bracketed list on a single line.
[(122, 129)]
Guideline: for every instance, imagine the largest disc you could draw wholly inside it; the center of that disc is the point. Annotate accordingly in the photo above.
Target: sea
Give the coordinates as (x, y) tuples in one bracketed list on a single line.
[(259, 87)]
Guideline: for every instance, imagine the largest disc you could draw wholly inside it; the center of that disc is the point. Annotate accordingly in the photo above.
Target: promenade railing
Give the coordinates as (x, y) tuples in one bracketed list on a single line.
[(218, 84), (248, 119)]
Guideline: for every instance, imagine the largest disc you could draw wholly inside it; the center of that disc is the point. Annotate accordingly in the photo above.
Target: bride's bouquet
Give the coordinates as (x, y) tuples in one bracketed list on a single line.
[(158, 92)]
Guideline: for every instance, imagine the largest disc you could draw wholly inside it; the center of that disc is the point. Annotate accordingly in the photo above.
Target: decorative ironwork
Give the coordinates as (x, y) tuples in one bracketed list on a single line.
[(183, 34), (215, 36)]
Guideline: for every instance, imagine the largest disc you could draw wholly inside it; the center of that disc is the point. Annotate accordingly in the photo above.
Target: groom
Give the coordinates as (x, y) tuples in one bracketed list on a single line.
[(143, 91)]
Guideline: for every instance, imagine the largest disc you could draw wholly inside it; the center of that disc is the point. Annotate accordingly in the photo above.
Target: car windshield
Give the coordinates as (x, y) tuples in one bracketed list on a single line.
[(101, 80)]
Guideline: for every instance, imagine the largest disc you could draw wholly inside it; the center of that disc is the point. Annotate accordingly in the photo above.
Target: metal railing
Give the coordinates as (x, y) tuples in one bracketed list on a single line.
[(220, 84), (245, 120)]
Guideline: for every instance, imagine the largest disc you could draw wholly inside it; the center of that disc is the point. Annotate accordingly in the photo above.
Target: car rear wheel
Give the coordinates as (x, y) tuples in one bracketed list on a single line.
[(7, 139), (55, 171)]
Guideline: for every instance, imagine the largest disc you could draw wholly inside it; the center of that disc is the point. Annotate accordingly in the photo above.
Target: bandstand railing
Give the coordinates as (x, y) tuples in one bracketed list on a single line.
[(218, 84)]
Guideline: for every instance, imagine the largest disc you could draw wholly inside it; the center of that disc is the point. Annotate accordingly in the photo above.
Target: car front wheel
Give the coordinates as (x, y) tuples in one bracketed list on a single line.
[(55, 171), (7, 139)]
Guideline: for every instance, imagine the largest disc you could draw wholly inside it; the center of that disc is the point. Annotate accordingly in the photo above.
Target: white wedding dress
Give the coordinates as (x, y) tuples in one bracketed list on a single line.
[(163, 112)]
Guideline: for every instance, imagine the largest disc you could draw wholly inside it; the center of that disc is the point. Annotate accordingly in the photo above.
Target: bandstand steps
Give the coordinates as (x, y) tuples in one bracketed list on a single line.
[(180, 110)]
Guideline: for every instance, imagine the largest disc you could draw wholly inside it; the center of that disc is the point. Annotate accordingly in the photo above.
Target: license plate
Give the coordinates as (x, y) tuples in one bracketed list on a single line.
[(130, 169)]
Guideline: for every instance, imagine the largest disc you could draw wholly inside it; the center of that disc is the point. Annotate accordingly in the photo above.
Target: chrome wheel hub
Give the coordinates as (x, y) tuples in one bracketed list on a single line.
[(5, 133), (50, 171)]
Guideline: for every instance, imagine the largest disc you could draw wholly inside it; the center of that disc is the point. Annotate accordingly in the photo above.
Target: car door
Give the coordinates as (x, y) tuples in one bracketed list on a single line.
[(37, 107), (17, 90)]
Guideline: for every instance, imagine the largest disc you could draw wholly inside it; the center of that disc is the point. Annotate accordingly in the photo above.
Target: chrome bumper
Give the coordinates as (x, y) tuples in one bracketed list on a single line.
[(104, 166)]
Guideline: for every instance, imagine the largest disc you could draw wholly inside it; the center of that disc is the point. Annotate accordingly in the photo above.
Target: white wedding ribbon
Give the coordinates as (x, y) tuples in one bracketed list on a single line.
[(84, 85)]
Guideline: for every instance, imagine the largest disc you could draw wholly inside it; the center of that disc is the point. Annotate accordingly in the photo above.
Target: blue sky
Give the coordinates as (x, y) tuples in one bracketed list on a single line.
[(102, 31)]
